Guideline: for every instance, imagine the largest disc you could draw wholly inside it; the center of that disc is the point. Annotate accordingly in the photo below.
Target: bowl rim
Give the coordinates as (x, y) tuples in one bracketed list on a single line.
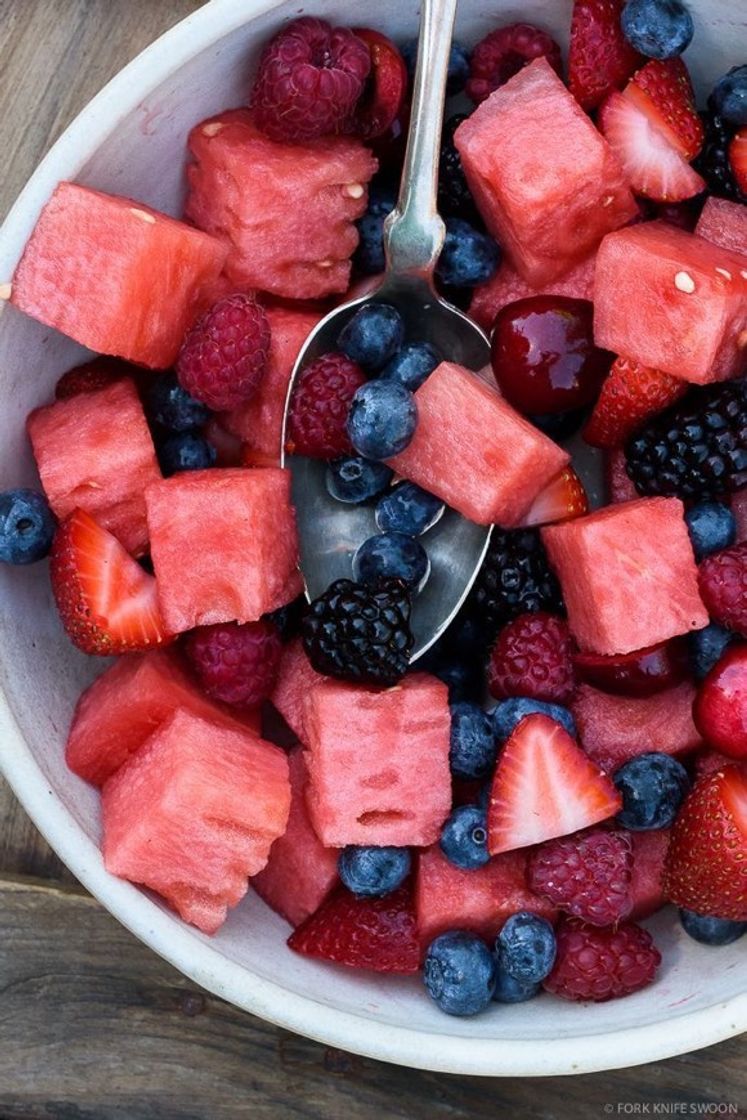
[(173, 940)]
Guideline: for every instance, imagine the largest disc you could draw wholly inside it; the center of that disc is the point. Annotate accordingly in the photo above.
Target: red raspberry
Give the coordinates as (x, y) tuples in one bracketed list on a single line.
[(319, 407), (309, 79), (505, 52), (532, 657), (224, 355), (99, 373), (587, 875), (601, 964), (235, 663), (722, 579)]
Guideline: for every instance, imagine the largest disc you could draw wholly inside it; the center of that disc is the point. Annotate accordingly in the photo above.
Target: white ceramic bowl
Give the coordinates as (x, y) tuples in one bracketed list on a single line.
[(130, 140)]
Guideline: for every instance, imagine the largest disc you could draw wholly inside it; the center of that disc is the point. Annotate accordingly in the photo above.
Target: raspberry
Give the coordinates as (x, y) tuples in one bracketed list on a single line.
[(309, 79), (587, 875), (600, 964), (722, 579), (236, 663), (224, 355), (532, 658), (317, 420), (505, 52)]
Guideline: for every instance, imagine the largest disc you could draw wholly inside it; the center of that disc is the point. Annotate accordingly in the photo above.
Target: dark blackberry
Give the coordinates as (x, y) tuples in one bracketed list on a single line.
[(454, 197), (288, 618), (697, 448), (360, 634), (713, 161)]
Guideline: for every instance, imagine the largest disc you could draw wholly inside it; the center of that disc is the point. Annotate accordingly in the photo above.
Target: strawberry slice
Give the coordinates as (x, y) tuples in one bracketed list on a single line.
[(706, 867), (561, 500), (545, 786), (107, 602), (631, 394), (600, 58), (738, 159), (99, 373), (664, 92), (653, 166), (379, 934)]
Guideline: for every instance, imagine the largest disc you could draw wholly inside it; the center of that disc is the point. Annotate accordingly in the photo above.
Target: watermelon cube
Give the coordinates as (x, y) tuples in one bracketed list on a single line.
[(474, 451), (545, 181), (193, 814), (115, 275), (614, 729), (295, 680), (506, 286), (95, 452), (287, 211), (300, 872), (724, 223), (647, 880), (127, 703), (672, 300), (628, 575), (378, 762), (481, 900), (224, 545)]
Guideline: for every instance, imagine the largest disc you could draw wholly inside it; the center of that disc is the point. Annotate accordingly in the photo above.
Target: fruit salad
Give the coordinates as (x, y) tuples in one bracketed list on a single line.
[(501, 814)]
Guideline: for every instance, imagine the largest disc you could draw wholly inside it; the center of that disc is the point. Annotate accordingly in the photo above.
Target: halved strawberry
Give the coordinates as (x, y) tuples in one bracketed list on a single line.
[(631, 394), (706, 867), (379, 934), (107, 602), (600, 58), (653, 166), (561, 500), (738, 159), (545, 786), (663, 91)]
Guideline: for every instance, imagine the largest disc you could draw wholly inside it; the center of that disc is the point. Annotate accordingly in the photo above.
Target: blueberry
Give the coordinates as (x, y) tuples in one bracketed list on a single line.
[(373, 872), (464, 838), (382, 419), (657, 28), (456, 659), (356, 479), (526, 947), (288, 618), (468, 257), (185, 451), (408, 509), (510, 990), (652, 786), (412, 365), (26, 526), (560, 425), (712, 526), (394, 556), (459, 973), (369, 257), (458, 64), (711, 931), (729, 97), (706, 647), (167, 404), (473, 749), (373, 335), (508, 713)]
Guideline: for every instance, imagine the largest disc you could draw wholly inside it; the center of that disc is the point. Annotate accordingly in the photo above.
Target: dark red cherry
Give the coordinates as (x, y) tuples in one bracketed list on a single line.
[(640, 673), (543, 354), (383, 98), (720, 708)]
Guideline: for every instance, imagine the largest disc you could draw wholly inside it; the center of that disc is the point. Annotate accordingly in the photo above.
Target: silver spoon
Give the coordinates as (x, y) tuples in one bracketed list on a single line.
[(330, 531)]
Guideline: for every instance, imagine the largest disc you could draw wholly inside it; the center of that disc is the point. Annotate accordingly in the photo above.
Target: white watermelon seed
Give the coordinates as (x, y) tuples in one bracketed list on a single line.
[(143, 215), (684, 282), (353, 190), (325, 264), (6, 291), (212, 129), (724, 272)]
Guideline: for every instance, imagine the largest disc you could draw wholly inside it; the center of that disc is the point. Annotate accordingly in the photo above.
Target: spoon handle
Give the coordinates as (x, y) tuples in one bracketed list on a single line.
[(414, 232)]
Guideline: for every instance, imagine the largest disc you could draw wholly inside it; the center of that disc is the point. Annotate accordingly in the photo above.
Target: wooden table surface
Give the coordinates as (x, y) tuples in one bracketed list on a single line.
[(93, 1026)]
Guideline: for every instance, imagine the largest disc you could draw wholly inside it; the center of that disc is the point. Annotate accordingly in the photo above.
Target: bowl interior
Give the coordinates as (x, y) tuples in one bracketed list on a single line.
[(132, 141)]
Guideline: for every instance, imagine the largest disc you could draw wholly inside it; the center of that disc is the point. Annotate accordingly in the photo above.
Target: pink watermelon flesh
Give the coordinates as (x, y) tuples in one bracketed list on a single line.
[(295, 681), (127, 703), (115, 275), (300, 872), (545, 181), (193, 814), (618, 485), (628, 575), (669, 299), (614, 729), (379, 762), (474, 451), (724, 223), (647, 880), (95, 452), (224, 545), (739, 509), (287, 211), (480, 900), (507, 286)]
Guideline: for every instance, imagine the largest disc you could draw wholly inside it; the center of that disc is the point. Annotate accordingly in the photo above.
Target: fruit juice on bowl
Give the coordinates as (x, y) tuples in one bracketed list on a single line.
[(418, 838)]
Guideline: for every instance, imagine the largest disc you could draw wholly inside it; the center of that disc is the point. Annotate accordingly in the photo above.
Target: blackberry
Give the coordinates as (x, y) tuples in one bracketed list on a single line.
[(713, 161), (454, 197), (360, 634), (695, 449)]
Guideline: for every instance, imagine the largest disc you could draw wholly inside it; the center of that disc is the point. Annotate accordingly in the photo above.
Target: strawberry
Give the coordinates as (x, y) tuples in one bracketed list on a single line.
[(706, 867), (664, 92), (107, 602), (654, 167), (738, 159), (545, 786), (379, 934), (99, 373), (561, 500), (599, 56), (631, 394)]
